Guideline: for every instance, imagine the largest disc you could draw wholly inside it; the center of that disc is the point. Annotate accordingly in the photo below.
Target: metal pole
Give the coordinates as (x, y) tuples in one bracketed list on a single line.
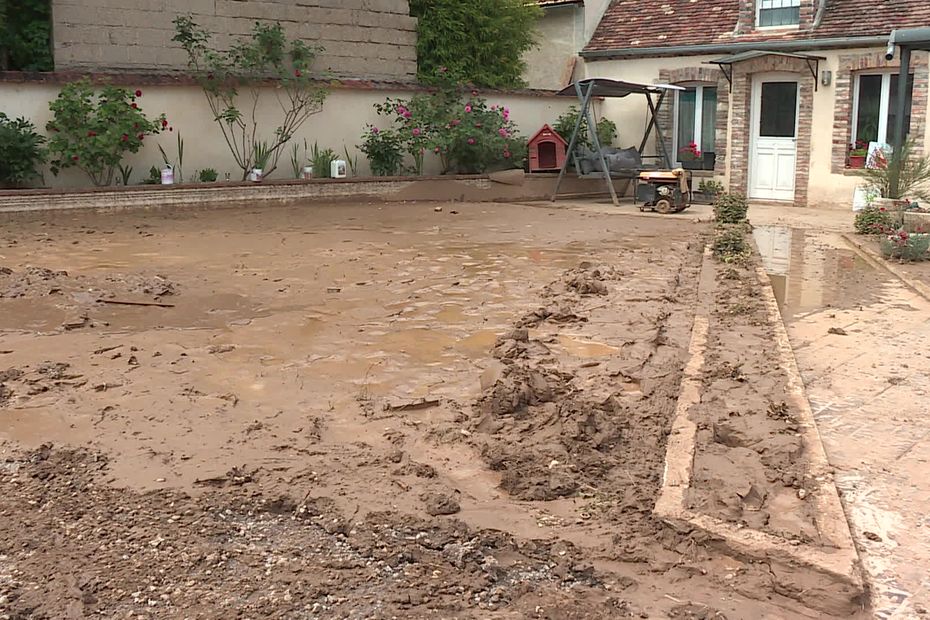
[(583, 98), (900, 109), (658, 129), (592, 133)]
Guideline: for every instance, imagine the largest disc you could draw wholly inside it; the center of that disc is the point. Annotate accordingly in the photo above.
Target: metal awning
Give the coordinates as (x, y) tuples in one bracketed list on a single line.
[(603, 87), (726, 63)]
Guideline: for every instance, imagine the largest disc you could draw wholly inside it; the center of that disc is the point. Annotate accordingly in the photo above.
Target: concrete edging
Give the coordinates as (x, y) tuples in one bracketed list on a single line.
[(876, 260), (837, 561)]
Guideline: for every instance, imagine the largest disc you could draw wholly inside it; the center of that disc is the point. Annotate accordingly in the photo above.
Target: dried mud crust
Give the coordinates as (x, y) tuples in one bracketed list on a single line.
[(749, 463), (558, 427), (235, 551)]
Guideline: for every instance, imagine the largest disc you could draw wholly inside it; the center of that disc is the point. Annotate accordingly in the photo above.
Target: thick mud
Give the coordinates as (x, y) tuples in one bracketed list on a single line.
[(352, 412), (749, 464)]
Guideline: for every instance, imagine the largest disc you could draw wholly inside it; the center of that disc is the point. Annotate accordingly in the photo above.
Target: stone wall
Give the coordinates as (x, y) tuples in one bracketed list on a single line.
[(362, 38)]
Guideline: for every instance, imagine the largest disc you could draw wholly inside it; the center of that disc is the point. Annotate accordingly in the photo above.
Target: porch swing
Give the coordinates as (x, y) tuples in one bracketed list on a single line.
[(586, 90)]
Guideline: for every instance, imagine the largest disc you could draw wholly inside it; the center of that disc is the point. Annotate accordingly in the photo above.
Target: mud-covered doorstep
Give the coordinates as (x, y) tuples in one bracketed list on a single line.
[(745, 462)]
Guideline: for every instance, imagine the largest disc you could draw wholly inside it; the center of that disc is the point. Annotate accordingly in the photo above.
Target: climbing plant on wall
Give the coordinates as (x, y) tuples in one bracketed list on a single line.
[(480, 42), (25, 35)]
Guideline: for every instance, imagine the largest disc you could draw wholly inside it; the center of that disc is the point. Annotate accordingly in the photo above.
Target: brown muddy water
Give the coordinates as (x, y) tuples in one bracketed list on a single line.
[(357, 377)]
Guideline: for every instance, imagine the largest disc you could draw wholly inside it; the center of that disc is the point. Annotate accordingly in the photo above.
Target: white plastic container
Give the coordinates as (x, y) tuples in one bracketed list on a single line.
[(256, 175), (339, 169), (167, 175), (307, 172)]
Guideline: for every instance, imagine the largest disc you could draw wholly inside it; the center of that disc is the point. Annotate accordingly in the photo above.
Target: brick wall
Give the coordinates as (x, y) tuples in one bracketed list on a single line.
[(692, 75), (854, 64), (740, 120), (362, 38)]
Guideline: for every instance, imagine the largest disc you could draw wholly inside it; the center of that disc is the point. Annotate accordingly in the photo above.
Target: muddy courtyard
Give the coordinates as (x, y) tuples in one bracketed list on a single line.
[(368, 412)]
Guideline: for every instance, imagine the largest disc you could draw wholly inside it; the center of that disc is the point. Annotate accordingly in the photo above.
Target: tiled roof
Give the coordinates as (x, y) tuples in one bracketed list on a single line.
[(631, 24)]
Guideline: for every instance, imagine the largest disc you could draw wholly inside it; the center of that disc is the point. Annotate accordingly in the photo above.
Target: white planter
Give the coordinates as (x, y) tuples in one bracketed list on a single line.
[(256, 175), (307, 172)]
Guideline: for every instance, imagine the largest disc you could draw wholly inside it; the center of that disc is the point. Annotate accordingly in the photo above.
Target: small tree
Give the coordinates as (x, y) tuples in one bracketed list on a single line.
[(93, 131), (265, 58), (481, 42), (912, 171)]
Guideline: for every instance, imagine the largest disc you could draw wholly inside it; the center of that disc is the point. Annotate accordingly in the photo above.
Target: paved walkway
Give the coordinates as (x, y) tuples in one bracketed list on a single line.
[(869, 389), (869, 386)]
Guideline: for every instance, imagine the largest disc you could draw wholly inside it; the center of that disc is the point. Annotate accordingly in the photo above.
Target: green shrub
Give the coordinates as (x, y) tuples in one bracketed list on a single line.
[(466, 133), (384, 149), (26, 35), (730, 208), (711, 188), (730, 245), (94, 131), (478, 42), (565, 125), (208, 175), (873, 221), (21, 152), (905, 246)]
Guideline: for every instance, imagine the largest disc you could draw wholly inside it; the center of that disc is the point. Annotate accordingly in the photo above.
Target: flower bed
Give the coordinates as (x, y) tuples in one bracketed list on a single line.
[(905, 246)]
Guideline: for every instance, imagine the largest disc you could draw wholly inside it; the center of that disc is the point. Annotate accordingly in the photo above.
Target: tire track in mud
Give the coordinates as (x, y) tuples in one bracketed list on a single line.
[(558, 426)]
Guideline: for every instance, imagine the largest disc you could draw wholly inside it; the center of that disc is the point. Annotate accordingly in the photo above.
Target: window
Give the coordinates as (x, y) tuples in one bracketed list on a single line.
[(875, 99), (775, 13), (696, 118)]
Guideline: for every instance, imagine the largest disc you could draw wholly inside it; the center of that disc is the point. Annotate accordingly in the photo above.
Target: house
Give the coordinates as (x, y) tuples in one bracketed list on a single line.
[(777, 90), (563, 31)]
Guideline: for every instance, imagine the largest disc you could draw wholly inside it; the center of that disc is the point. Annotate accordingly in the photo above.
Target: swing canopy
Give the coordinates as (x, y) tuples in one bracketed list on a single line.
[(603, 87), (586, 90)]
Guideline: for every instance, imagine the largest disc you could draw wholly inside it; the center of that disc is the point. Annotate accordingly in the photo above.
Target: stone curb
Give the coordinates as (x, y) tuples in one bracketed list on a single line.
[(839, 586), (876, 260)]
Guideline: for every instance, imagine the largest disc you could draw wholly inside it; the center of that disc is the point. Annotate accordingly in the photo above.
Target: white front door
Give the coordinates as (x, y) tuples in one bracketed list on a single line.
[(774, 137)]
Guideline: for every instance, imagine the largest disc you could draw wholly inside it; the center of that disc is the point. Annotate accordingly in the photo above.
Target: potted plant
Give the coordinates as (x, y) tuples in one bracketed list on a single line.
[(900, 178), (260, 158), (690, 157), (857, 154)]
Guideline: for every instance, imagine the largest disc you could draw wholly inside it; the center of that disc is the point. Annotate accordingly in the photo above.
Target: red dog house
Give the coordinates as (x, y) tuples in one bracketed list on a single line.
[(547, 150)]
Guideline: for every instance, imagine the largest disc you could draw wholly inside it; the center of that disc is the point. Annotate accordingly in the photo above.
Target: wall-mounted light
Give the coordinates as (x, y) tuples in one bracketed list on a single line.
[(826, 77)]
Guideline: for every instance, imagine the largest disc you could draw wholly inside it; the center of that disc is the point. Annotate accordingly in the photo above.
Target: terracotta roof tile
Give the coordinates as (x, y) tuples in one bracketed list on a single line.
[(631, 24)]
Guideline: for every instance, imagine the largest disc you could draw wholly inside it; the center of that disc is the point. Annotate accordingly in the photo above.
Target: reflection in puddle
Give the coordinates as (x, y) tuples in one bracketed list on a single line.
[(585, 348), (807, 272)]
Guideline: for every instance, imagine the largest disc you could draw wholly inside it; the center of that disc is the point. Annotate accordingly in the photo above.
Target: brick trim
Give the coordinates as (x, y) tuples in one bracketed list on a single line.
[(155, 78), (852, 65), (704, 75), (742, 101)]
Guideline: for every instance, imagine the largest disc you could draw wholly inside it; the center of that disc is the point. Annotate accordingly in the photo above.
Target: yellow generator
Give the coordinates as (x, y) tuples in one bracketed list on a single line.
[(664, 191)]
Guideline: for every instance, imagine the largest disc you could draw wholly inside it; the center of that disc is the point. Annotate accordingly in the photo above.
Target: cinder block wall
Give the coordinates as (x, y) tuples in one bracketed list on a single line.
[(362, 38)]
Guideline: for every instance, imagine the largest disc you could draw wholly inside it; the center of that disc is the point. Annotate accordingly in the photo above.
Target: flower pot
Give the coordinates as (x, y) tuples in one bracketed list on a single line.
[(306, 173), (694, 164), (857, 161), (709, 160)]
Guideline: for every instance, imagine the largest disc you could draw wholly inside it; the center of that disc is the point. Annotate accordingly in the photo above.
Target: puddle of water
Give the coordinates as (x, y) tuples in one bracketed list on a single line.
[(585, 348), (478, 344), (810, 270)]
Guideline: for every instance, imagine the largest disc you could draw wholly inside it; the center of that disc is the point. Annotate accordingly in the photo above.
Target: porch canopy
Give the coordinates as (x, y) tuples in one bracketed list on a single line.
[(585, 90), (906, 40), (726, 63)]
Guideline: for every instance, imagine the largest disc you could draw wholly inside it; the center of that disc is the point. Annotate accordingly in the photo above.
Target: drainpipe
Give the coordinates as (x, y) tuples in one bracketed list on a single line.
[(819, 16), (900, 108)]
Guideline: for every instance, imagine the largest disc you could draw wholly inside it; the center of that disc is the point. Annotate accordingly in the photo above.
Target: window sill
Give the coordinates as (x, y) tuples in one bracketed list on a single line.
[(776, 28), (853, 172)]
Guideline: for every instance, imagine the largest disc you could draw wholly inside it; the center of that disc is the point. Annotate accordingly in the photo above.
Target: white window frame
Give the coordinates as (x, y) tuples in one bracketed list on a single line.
[(783, 26), (884, 102), (698, 114)]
